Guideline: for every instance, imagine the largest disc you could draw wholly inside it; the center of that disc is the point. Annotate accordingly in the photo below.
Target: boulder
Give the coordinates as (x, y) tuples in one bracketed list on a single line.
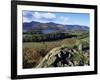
[(62, 57)]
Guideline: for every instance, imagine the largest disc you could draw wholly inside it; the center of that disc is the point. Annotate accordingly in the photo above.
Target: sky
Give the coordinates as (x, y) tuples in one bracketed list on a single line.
[(64, 18)]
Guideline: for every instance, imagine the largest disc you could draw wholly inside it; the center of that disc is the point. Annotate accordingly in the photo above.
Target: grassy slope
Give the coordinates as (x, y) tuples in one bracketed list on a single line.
[(51, 43)]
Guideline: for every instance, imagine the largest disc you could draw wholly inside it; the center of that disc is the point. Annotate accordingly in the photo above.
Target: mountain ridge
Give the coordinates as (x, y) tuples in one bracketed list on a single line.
[(52, 26)]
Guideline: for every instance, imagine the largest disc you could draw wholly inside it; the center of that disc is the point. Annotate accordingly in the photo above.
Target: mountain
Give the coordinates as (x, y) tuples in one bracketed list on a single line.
[(75, 27), (52, 26)]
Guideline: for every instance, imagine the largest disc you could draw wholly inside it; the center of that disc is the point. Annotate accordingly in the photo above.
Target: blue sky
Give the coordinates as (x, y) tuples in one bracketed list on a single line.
[(57, 17)]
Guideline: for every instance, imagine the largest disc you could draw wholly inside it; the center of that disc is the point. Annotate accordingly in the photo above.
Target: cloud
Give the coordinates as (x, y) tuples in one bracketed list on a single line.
[(65, 19), (49, 15), (37, 15), (29, 16), (45, 16), (25, 19)]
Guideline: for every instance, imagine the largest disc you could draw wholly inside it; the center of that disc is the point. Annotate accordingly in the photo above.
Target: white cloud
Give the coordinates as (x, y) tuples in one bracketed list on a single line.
[(44, 16), (49, 15), (37, 15), (25, 19)]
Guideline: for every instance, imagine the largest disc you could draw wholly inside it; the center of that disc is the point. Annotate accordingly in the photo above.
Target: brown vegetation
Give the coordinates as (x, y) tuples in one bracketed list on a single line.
[(31, 57)]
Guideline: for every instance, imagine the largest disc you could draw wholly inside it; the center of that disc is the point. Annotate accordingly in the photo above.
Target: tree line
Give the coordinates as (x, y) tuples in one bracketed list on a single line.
[(46, 37)]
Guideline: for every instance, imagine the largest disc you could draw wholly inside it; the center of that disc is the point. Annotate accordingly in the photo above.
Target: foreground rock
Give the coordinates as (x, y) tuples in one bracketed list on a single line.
[(63, 57)]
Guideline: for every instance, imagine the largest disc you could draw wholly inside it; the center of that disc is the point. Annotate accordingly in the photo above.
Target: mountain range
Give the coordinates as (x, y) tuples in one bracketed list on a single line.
[(52, 26)]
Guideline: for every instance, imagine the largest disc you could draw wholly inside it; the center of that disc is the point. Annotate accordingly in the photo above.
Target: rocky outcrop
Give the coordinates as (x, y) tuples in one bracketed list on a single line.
[(63, 57)]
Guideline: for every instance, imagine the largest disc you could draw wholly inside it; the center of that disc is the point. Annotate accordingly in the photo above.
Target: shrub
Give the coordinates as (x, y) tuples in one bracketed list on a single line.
[(30, 57)]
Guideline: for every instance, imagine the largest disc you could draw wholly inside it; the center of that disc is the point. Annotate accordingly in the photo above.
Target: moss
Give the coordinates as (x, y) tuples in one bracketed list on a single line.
[(85, 59), (76, 57)]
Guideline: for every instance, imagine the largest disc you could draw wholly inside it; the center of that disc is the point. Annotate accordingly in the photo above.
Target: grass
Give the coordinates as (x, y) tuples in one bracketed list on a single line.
[(50, 43), (35, 51)]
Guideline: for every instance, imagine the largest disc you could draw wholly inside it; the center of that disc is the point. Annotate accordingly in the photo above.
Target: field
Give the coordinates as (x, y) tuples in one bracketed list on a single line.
[(35, 52)]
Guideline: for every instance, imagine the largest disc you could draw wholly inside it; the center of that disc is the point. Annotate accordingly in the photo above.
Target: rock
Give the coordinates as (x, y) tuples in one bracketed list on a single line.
[(81, 63), (59, 64), (70, 63), (61, 57), (80, 47), (65, 65)]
